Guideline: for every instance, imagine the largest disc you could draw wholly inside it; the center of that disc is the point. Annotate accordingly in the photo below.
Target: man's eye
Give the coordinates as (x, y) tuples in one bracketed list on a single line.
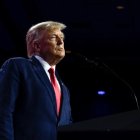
[(55, 38), (52, 37)]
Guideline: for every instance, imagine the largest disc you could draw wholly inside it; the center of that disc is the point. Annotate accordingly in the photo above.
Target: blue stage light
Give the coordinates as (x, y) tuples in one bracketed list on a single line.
[(101, 92)]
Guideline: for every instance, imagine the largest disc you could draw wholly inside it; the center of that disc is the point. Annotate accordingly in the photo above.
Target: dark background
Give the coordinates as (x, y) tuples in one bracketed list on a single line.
[(106, 31)]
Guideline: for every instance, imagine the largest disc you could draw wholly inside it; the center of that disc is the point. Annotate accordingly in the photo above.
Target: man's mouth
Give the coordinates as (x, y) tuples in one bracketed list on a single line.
[(60, 49)]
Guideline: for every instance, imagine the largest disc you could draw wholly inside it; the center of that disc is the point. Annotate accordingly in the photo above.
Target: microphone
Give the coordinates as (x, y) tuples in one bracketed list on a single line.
[(104, 66), (82, 57)]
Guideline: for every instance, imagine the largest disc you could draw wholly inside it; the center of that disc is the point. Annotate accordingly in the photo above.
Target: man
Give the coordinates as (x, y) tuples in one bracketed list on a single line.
[(30, 107)]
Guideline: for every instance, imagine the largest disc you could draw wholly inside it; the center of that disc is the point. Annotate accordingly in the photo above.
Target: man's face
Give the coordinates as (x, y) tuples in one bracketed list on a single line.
[(52, 45)]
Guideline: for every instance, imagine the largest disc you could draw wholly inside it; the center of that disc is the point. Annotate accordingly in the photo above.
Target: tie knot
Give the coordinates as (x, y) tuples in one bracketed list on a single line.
[(51, 70)]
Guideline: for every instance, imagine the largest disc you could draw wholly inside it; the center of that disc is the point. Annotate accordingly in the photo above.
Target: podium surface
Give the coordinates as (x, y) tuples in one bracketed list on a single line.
[(119, 125)]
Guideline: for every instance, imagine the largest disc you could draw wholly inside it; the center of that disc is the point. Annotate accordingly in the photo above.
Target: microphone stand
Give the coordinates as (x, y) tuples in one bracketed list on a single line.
[(106, 67)]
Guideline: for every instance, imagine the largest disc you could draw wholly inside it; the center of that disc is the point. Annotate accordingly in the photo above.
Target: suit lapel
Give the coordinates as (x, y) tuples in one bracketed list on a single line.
[(44, 79)]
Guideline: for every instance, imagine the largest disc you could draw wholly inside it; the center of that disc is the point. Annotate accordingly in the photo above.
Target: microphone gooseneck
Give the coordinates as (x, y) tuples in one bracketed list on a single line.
[(104, 66)]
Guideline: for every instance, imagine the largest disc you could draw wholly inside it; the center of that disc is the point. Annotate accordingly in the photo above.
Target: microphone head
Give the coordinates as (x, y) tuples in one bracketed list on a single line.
[(81, 57)]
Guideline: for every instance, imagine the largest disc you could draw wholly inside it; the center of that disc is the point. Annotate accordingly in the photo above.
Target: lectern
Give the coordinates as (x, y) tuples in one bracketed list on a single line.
[(117, 126)]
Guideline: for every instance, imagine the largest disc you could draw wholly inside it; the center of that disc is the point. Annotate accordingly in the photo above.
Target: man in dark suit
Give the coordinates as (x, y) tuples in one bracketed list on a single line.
[(28, 106)]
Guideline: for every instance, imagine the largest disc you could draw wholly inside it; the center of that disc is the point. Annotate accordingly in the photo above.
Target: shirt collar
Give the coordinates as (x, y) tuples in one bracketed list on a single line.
[(45, 65)]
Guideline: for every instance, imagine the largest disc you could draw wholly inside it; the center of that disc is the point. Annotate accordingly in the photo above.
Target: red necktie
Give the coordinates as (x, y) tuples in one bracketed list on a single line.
[(56, 88)]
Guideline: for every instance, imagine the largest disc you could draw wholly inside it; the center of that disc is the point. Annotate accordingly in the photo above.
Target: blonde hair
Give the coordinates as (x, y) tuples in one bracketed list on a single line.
[(34, 33)]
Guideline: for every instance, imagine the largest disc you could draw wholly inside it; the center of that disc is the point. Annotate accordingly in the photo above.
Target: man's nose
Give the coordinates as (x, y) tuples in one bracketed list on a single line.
[(60, 41)]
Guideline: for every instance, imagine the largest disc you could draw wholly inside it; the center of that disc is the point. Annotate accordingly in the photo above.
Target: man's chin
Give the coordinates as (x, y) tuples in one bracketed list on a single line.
[(61, 54)]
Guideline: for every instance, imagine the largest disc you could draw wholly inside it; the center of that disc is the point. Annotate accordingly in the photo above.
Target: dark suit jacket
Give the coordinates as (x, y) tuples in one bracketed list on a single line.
[(27, 102)]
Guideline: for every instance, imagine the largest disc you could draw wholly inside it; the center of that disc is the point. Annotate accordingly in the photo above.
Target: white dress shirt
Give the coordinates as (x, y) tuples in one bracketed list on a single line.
[(46, 66)]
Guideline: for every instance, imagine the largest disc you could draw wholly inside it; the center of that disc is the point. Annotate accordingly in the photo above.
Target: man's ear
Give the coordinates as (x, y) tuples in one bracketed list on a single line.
[(36, 46)]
